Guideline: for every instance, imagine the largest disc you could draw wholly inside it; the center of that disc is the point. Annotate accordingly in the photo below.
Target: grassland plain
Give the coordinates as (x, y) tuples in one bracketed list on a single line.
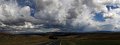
[(7, 39)]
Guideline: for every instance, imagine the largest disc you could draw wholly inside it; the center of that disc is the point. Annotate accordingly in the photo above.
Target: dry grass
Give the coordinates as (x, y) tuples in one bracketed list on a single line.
[(6, 39)]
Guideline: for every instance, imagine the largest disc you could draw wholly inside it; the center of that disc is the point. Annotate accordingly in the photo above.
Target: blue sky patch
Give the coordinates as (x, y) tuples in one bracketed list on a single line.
[(99, 16), (111, 6)]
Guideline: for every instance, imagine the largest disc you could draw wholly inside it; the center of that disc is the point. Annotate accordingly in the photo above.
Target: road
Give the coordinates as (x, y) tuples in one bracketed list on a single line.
[(52, 42)]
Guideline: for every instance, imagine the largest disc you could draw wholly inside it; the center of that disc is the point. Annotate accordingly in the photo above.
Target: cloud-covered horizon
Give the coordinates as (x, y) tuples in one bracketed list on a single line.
[(60, 15)]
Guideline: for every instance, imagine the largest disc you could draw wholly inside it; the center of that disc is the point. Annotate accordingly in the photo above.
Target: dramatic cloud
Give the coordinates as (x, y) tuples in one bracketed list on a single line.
[(60, 15)]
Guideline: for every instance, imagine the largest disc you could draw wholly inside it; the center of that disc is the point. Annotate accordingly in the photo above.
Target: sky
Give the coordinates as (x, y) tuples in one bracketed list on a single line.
[(34, 16)]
